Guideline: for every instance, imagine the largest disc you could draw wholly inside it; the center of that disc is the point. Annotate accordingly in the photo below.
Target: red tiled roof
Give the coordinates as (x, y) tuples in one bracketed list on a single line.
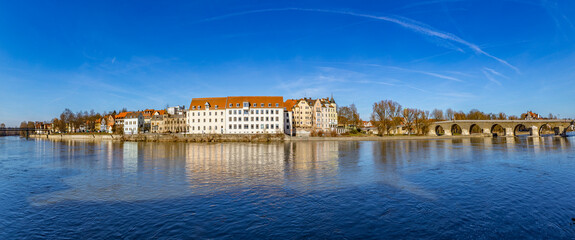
[(237, 102), (121, 115), (290, 103), (265, 100), (200, 103)]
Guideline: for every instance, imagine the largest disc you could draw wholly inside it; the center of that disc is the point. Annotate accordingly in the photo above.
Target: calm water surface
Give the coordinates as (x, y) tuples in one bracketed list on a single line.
[(514, 188)]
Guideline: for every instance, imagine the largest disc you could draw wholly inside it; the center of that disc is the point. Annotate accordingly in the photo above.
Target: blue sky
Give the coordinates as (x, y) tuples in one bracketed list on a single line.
[(495, 56)]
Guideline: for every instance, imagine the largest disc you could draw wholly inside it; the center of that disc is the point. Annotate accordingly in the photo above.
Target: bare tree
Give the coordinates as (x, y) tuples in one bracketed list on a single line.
[(394, 112), (449, 114), (409, 115), (379, 115), (437, 114)]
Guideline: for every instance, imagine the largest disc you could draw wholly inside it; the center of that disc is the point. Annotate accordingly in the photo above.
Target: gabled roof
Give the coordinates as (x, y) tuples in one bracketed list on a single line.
[(160, 112), (290, 103)]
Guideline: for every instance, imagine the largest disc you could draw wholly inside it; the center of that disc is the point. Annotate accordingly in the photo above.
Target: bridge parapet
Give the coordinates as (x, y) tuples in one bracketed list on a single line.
[(501, 127)]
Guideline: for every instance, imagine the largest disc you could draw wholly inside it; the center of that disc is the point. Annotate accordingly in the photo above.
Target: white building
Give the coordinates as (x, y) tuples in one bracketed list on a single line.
[(237, 115), (133, 123), (207, 115), (177, 110)]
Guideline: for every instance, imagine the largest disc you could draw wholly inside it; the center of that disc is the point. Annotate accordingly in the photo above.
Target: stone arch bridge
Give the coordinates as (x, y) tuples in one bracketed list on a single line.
[(502, 127)]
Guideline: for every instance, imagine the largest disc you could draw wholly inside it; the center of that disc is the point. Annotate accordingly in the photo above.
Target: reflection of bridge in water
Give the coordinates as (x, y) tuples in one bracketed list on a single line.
[(502, 127)]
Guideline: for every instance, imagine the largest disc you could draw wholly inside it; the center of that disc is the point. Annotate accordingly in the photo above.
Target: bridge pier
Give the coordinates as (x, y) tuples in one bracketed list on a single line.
[(561, 131), (509, 132), (534, 131), (464, 132), (447, 132)]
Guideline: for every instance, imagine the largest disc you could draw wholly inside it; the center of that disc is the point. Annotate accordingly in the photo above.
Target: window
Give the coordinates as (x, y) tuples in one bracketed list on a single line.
[(257, 119), (210, 114), (237, 105), (216, 106), (235, 119), (277, 112), (267, 118), (257, 111), (277, 119), (194, 107), (246, 112), (230, 126), (199, 107), (262, 105), (255, 104), (252, 112), (252, 119), (235, 112), (246, 104), (277, 104), (231, 105), (267, 111), (269, 105)]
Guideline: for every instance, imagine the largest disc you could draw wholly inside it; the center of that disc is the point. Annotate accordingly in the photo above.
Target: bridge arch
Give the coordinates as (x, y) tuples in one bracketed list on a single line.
[(498, 130), (456, 130), (521, 129), (439, 131), (474, 128), (545, 129), (570, 128)]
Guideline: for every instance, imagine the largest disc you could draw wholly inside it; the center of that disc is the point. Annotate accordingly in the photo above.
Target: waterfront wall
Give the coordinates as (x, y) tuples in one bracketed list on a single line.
[(167, 137)]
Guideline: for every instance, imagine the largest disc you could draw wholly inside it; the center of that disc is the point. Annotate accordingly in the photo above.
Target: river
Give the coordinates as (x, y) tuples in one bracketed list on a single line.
[(464, 188)]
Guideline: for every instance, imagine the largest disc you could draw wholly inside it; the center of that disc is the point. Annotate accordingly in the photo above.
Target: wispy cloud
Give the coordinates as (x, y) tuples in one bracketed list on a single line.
[(437, 75), (403, 22), (495, 72), (490, 77)]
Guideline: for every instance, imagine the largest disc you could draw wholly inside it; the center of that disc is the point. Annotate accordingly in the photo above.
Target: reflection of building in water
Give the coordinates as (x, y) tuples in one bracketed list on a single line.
[(307, 155), (130, 159), (235, 161)]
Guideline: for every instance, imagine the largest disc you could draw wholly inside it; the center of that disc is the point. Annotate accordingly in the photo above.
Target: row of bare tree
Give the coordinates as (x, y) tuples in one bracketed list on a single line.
[(388, 115)]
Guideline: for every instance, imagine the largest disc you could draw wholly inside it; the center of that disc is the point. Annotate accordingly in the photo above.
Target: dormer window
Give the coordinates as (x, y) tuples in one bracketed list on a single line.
[(194, 107), (255, 104), (263, 105), (199, 107), (269, 105), (231, 105), (216, 106), (246, 104), (277, 104), (237, 105)]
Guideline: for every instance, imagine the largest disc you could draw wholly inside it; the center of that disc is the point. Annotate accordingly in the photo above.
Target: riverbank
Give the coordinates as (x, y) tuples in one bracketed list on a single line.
[(165, 137), (234, 138)]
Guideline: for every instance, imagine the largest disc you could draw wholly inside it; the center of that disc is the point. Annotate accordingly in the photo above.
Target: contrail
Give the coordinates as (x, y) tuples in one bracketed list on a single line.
[(412, 25)]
